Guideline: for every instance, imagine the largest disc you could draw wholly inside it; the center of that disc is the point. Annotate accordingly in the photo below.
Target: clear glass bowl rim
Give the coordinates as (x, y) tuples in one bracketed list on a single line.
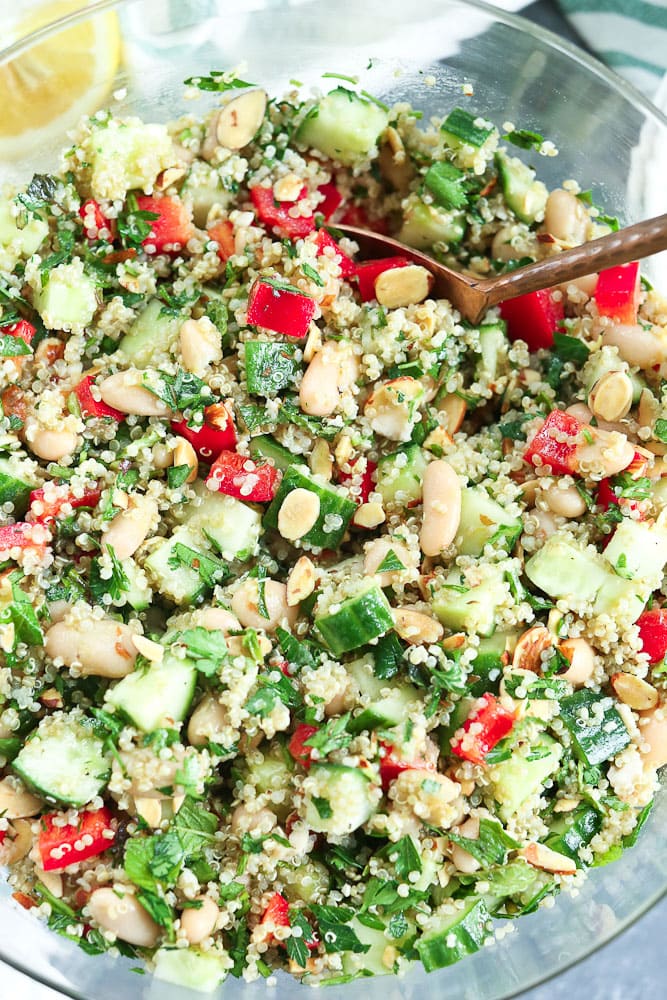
[(616, 83)]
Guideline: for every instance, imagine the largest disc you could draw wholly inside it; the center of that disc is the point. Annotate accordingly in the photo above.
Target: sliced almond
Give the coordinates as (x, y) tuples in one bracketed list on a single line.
[(184, 454), (369, 515), (313, 343), (301, 581), (287, 188), (566, 805), (298, 514), (240, 119), (150, 810), (611, 396), (153, 651), (438, 440), (343, 449), (528, 650), (542, 857), (454, 641), (170, 176), (455, 409), (634, 692), (320, 460), (416, 628), (403, 286)]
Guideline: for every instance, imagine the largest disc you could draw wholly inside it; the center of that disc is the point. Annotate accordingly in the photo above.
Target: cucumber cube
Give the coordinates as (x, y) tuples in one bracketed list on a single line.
[(446, 939), (269, 367), (356, 621), (126, 155), (460, 125), (482, 519), (153, 332), (68, 301), (343, 126), (23, 240), (156, 698), (64, 760), (597, 729), (195, 970), (336, 508)]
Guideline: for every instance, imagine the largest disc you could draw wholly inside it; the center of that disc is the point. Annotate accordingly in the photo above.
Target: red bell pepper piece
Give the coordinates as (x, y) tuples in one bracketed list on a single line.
[(45, 511), (238, 476), (617, 293), (534, 318), (91, 407), (22, 331), (276, 214), (556, 443), (91, 211), (392, 764), (60, 846), (491, 722), (367, 484), (223, 234), (173, 227), (216, 434), (355, 215), (653, 634), (276, 913), (333, 199), (279, 307), (297, 745), (607, 498), (346, 264), (23, 536), (368, 273)]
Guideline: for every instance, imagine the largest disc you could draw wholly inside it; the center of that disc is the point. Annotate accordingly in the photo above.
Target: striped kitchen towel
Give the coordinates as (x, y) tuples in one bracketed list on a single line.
[(628, 35)]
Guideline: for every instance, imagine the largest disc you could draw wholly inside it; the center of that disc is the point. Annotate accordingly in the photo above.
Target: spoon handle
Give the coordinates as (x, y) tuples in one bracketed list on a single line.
[(633, 243)]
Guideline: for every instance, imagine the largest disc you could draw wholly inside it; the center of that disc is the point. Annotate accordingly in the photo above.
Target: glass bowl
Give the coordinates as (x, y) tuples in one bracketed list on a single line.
[(610, 139)]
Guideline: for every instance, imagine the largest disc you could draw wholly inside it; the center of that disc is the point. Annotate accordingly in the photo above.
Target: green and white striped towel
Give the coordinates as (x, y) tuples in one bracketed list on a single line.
[(628, 35)]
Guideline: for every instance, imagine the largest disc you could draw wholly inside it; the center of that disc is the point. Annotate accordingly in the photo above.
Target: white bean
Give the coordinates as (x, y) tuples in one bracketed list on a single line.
[(637, 346), (15, 801), (208, 718), (128, 529), (16, 843), (375, 553), (567, 501), (101, 647), (125, 391), (245, 605), (581, 655), (333, 370), (50, 445), (124, 916), (653, 736), (442, 508), (201, 345), (463, 860), (198, 924), (565, 217)]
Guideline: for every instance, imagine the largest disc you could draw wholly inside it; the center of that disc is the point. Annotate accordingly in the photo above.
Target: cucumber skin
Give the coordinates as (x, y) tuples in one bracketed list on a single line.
[(368, 614), (470, 932), (265, 446), (331, 502), (598, 743), (98, 765), (345, 128)]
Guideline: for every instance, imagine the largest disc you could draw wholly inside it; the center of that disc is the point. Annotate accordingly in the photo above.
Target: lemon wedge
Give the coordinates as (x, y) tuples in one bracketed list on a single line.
[(44, 91)]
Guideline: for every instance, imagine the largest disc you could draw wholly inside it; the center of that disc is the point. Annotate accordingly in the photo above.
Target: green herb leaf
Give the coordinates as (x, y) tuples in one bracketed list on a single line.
[(207, 648), (330, 737), (13, 347), (570, 348), (311, 273), (210, 569), (176, 475), (390, 563), (134, 225), (217, 81), (524, 138), (115, 585), (323, 807), (492, 845)]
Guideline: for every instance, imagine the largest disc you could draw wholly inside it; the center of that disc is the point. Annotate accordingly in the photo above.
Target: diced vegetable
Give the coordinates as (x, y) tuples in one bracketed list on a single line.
[(223, 234), (297, 744), (368, 273), (597, 730), (333, 199), (490, 723), (534, 317), (335, 508), (367, 484), (556, 442), (91, 407), (64, 760), (216, 434), (338, 799), (16, 483), (276, 913), (392, 764), (324, 241), (156, 698), (276, 306), (90, 209), (60, 846), (344, 126), (278, 214), (617, 293), (447, 939), (173, 227), (482, 520), (43, 511), (265, 446), (653, 634), (21, 331), (357, 620), (23, 536), (572, 831), (269, 367), (241, 477), (526, 196), (465, 127)]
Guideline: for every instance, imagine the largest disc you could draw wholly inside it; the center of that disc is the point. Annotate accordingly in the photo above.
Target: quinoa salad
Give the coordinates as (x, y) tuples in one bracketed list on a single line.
[(331, 624)]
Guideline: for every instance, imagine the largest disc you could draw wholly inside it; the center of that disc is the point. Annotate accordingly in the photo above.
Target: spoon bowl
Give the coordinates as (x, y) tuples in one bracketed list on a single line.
[(473, 296)]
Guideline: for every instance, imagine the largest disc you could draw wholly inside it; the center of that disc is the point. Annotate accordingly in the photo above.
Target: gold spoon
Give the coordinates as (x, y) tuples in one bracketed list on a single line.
[(473, 296)]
